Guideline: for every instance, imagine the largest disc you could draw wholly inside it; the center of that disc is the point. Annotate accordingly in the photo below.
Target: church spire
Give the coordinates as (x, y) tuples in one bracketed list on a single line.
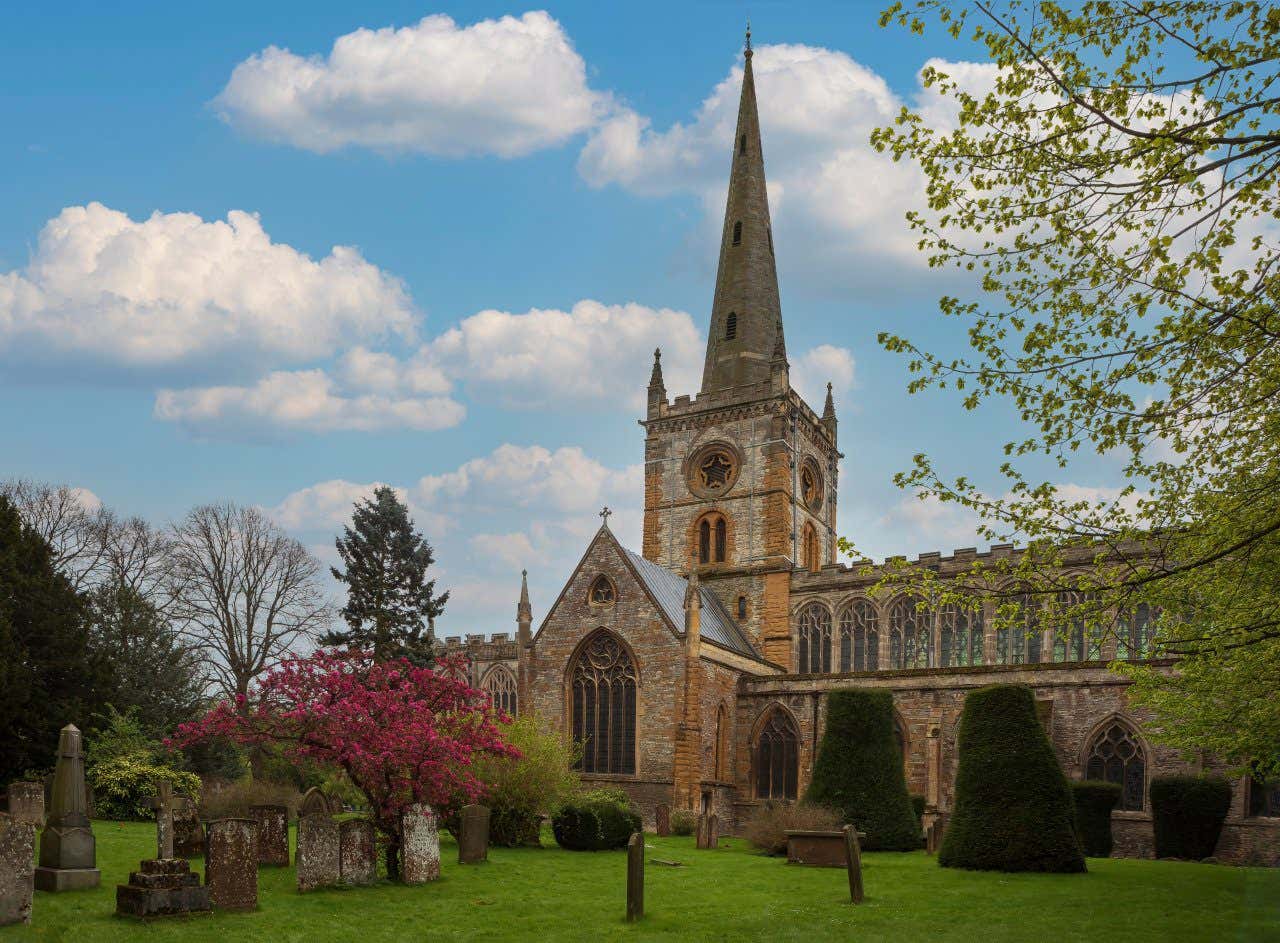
[(746, 316)]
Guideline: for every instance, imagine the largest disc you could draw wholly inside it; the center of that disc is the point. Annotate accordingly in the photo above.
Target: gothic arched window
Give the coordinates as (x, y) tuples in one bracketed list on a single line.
[(810, 551), (815, 639), (731, 326), (603, 682), (1018, 643), (713, 539), (1135, 632), (737, 233), (602, 592), (859, 637), (1075, 638), (910, 635), (1115, 756), (500, 685), (961, 636), (722, 744), (777, 757), (742, 144)]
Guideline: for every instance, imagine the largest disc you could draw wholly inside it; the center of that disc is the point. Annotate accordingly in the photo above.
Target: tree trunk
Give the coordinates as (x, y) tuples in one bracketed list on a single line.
[(393, 859)]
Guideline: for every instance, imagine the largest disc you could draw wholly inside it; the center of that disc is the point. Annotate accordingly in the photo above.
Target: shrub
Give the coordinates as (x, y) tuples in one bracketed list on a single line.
[(123, 786), (1187, 812), (859, 771), (683, 822), (1013, 808), (917, 805), (594, 825), (767, 827), (520, 791), (1094, 801), (233, 800)]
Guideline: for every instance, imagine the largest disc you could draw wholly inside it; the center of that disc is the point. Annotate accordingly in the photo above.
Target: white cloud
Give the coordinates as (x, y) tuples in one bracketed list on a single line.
[(816, 368), (506, 87), (176, 290)]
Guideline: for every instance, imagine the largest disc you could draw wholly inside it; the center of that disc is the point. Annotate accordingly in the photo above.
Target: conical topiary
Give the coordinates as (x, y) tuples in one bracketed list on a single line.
[(859, 771), (1014, 810)]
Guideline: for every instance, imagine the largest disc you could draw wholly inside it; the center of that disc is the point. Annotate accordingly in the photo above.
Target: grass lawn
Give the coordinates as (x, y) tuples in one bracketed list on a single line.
[(730, 894)]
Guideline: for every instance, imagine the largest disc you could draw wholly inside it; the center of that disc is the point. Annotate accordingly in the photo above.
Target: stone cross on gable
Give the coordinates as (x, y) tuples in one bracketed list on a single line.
[(604, 515), (162, 802)]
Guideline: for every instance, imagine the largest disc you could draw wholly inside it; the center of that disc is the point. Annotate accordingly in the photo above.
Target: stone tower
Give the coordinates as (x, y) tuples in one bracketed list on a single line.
[(742, 478)]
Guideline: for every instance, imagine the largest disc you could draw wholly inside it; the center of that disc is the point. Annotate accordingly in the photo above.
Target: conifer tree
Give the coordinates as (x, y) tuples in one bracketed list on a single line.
[(390, 601)]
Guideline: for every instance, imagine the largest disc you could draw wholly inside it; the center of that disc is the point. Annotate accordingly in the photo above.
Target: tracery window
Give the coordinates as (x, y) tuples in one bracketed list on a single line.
[(603, 683), (1115, 756), (815, 639), (910, 635), (1075, 639), (602, 592), (859, 637), (713, 539), (731, 326), (960, 637), (777, 757), (811, 487), (1136, 627), (737, 233), (500, 685), (1019, 643)]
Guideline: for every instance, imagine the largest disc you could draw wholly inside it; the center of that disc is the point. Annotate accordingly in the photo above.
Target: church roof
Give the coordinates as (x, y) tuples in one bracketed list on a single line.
[(668, 590)]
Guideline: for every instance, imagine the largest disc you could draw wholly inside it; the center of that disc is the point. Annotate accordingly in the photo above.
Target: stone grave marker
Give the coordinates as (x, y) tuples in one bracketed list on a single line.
[(853, 862), (421, 849), (17, 875), (68, 854), (635, 877), (163, 887), (273, 834), (662, 815), (357, 856), (162, 802), (188, 832), (231, 864), (316, 802), (473, 840), (318, 858), (708, 831), (26, 803)]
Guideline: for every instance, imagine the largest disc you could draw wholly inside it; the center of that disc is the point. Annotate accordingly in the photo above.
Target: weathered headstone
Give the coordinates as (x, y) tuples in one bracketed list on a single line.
[(662, 815), (162, 802), (315, 802), (708, 831), (68, 854), (273, 834), (357, 857), (188, 831), (160, 888), (26, 803), (473, 837), (853, 862), (421, 845), (318, 857), (635, 877), (17, 884), (231, 864)]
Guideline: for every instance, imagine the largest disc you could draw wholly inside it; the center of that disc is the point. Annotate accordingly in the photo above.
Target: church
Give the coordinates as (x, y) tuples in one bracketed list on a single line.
[(693, 671)]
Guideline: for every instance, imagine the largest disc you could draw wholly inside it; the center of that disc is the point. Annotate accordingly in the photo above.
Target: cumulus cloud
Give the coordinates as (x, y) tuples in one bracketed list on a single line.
[(507, 87), (823, 364), (174, 290)]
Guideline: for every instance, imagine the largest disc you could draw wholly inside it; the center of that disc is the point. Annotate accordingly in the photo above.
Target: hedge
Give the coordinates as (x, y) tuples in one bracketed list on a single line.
[(1094, 802), (594, 825), (1187, 812), (1013, 808), (858, 772)]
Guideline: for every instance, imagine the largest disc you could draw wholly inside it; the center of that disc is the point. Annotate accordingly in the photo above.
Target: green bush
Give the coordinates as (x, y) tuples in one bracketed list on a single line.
[(519, 791), (917, 805), (594, 825), (1094, 801), (859, 771), (123, 786), (1187, 812), (1013, 808), (683, 822)]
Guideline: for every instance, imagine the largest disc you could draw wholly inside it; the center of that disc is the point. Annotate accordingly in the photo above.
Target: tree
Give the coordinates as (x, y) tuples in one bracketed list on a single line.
[(244, 593), (1113, 181), (49, 675), (69, 520), (402, 734), (389, 599)]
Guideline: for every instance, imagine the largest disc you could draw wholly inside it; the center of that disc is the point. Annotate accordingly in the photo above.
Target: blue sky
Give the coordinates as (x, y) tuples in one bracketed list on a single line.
[(523, 203)]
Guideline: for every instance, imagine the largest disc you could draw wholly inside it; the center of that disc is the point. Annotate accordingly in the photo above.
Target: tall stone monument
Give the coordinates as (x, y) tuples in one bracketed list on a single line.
[(67, 849)]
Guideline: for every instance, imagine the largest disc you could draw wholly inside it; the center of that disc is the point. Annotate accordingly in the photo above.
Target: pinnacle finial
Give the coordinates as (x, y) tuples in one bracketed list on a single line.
[(748, 49), (829, 410)]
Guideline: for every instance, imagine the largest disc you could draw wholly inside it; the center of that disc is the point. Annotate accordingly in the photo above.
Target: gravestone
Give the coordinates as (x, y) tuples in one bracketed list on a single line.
[(635, 877), (26, 803), (188, 832), (163, 887), (662, 815), (231, 864), (68, 854), (421, 845), (318, 857), (162, 802), (357, 858), (315, 802), (473, 838), (708, 831), (853, 862), (17, 877), (273, 834)]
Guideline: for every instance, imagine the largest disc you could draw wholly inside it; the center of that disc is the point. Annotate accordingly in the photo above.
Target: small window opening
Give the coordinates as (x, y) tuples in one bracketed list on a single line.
[(742, 608), (737, 233), (731, 326), (742, 144)]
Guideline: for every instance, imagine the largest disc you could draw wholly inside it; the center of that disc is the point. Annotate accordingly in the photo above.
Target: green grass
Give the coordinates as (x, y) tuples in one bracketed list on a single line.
[(727, 894)]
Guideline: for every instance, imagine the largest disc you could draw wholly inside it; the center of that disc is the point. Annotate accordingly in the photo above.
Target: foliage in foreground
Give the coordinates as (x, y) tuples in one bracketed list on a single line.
[(1094, 801), (1187, 813), (1013, 810), (859, 771), (595, 823), (124, 786), (520, 790), (683, 822), (767, 828), (1112, 184)]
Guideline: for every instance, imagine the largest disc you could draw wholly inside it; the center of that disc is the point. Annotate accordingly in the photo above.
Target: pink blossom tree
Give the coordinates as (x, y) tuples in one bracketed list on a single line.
[(401, 733)]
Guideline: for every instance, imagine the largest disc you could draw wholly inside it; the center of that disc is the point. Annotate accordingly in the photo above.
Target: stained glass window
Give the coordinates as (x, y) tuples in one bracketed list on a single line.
[(1019, 643), (604, 706), (1116, 756), (910, 635), (500, 684), (960, 641), (859, 637), (1136, 631), (815, 639), (777, 758)]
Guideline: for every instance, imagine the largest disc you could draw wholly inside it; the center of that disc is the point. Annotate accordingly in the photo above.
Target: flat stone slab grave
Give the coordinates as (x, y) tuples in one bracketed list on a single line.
[(816, 848)]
